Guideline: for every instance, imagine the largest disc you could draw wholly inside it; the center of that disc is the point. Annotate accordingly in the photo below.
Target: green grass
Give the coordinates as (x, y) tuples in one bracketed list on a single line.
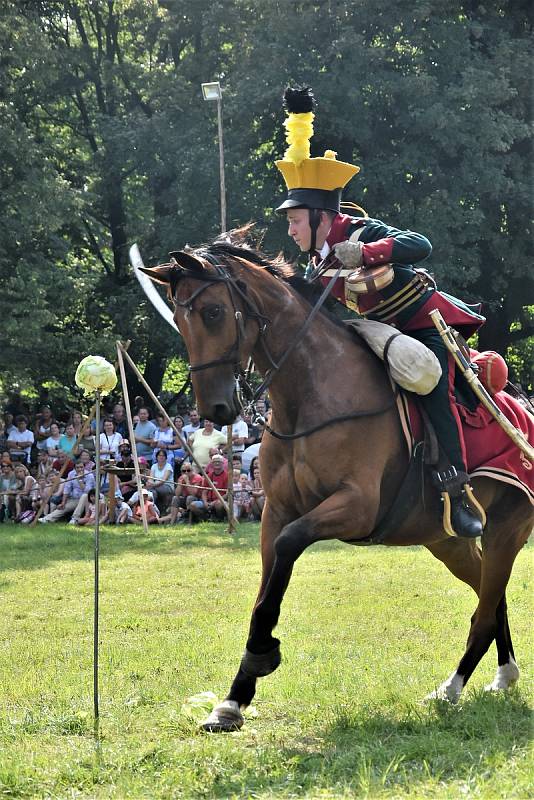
[(366, 633)]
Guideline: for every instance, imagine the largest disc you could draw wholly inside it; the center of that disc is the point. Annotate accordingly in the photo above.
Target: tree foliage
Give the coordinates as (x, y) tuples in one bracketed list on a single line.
[(105, 140)]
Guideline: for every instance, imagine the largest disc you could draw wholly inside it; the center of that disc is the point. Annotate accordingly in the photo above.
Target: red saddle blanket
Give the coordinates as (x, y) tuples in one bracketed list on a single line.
[(490, 451)]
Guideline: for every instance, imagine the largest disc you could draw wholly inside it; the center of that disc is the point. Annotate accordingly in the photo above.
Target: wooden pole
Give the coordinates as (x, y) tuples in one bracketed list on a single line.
[(230, 471), (175, 429), (133, 444)]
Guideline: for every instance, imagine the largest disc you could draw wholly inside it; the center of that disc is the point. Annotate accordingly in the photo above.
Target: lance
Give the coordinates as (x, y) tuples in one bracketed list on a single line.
[(483, 395)]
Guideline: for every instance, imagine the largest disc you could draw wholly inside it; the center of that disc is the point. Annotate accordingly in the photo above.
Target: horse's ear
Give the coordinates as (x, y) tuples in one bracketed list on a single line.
[(186, 260), (161, 274)]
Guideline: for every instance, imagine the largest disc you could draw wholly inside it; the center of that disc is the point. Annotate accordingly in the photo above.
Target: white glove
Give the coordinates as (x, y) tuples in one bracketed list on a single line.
[(349, 253)]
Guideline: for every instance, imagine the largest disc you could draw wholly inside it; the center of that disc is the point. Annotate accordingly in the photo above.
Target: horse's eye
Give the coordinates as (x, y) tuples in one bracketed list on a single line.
[(211, 313)]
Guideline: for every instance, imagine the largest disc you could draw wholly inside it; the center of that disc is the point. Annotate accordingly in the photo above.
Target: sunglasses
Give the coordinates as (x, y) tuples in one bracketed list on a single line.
[(186, 470)]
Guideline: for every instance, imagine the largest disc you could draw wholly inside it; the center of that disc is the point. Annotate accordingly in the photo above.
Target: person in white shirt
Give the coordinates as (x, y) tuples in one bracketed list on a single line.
[(110, 441), (194, 422), (20, 440), (239, 434)]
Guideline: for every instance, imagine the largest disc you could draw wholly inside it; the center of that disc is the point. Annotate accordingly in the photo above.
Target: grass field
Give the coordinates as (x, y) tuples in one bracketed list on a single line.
[(366, 633)]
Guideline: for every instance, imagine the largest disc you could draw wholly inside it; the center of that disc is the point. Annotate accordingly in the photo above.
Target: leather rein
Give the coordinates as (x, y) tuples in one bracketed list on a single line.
[(232, 356)]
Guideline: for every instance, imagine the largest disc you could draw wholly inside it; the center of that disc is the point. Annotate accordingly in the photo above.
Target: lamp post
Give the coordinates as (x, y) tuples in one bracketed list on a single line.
[(212, 91)]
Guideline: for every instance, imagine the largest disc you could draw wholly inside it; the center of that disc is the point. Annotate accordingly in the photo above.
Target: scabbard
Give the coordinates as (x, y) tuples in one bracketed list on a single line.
[(483, 395)]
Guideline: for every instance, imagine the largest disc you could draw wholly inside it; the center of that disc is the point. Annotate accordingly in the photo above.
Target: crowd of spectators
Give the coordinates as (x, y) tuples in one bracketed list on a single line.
[(47, 465)]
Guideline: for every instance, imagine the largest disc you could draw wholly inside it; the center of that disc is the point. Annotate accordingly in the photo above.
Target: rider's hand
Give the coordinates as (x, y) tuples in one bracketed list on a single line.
[(349, 253)]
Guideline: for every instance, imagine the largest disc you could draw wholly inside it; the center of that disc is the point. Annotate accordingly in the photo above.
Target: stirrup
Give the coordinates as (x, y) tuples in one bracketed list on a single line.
[(454, 484)]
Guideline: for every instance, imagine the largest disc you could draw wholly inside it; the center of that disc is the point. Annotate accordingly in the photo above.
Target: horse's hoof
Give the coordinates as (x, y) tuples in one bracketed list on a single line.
[(507, 675), (449, 691), (258, 665), (225, 718)]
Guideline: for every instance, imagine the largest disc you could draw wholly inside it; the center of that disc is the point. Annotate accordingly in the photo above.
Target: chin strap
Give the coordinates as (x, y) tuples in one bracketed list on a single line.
[(314, 215)]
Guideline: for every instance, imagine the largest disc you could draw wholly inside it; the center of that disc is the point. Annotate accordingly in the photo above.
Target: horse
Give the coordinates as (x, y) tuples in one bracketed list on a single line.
[(333, 456)]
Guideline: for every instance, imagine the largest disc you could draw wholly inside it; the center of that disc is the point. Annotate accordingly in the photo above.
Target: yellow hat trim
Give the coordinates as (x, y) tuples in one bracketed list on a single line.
[(299, 130), (317, 173)]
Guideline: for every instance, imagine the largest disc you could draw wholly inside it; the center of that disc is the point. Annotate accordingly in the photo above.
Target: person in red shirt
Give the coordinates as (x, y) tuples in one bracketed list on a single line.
[(188, 490), (209, 504)]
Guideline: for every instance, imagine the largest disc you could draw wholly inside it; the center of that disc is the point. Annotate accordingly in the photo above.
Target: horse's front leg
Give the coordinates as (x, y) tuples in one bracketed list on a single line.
[(337, 517), (227, 716)]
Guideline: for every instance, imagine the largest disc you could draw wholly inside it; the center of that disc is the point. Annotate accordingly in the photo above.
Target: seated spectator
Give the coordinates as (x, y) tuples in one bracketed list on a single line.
[(194, 424), (151, 510), (42, 496), (161, 480), (109, 441), (67, 442), (86, 440), (19, 441), (25, 486), (9, 425), (203, 440), (89, 515), (119, 418), (237, 462), (258, 495), (5, 459), (85, 458), (242, 495), (123, 512), (77, 484), (163, 439), (43, 467), (249, 456), (188, 489), (52, 442), (3, 436), (77, 420), (144, 435), (209, 467), (209, 503), (59, 462), (128, 483), (179, 425), (43, 422), (239, 434), (8, 487)]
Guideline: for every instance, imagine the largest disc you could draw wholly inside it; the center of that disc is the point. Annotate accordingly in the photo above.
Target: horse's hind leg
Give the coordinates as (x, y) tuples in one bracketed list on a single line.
[(501, 543), (507, 670)]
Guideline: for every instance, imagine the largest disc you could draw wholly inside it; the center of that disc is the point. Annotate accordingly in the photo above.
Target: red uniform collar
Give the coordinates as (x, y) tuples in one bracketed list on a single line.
[(338, 231)]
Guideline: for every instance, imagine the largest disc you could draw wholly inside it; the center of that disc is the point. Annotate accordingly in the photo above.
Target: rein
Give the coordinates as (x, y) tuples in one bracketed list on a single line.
[(233, 354)]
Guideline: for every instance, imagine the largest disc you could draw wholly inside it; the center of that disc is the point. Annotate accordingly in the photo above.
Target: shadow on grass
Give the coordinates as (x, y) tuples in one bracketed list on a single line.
[(23, 548), (372, 751)]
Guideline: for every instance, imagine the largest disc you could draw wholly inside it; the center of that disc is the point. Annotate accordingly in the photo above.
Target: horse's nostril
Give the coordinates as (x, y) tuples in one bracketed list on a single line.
[(223, 414)]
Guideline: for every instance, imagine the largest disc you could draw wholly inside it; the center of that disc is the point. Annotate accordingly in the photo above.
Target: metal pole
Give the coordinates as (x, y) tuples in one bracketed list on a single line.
[(221, 163), (97, 547)]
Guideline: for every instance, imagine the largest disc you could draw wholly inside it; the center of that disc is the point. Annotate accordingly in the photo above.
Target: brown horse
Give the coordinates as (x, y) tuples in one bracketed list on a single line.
[(338, 479)]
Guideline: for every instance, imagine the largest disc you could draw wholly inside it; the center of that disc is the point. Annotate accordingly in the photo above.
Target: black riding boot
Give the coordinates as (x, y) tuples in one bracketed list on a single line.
[(459, 519), (464, 521)]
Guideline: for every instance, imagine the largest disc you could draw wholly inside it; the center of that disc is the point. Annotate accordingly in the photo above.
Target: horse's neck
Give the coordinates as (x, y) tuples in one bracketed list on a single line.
[(323, 371)]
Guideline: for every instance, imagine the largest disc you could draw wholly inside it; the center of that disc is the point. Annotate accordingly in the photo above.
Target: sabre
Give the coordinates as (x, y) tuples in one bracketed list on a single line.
[(149, 289), (452, 346)]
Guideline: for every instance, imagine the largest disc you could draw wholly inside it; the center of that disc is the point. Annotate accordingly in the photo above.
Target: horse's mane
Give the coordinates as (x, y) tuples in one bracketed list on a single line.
[(236, 245)]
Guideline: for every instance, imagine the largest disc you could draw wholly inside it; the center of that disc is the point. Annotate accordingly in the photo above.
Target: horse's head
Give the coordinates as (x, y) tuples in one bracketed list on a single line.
[(219, 321)]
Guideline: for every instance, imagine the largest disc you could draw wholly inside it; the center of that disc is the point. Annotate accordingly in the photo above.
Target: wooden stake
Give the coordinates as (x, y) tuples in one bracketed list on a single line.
[(133, 444), (173, 426)]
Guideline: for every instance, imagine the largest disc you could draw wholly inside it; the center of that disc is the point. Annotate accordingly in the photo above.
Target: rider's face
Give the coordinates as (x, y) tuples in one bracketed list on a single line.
[(299, 228)]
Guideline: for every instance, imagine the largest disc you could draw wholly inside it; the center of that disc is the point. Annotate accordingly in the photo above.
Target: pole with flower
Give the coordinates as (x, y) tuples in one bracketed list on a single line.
[(97, 377)]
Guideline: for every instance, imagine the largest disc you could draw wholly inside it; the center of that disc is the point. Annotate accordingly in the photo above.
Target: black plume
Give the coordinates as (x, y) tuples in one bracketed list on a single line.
[(299, 101)]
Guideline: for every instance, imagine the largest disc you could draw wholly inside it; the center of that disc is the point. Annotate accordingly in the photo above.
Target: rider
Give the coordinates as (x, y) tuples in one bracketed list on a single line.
[(317, 226)]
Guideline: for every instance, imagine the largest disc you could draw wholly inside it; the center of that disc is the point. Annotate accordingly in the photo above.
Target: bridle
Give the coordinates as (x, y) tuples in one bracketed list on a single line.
[(233, 356)]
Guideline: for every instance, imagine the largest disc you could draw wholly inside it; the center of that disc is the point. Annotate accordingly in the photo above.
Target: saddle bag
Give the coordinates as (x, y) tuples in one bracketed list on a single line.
[(411, 364)]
